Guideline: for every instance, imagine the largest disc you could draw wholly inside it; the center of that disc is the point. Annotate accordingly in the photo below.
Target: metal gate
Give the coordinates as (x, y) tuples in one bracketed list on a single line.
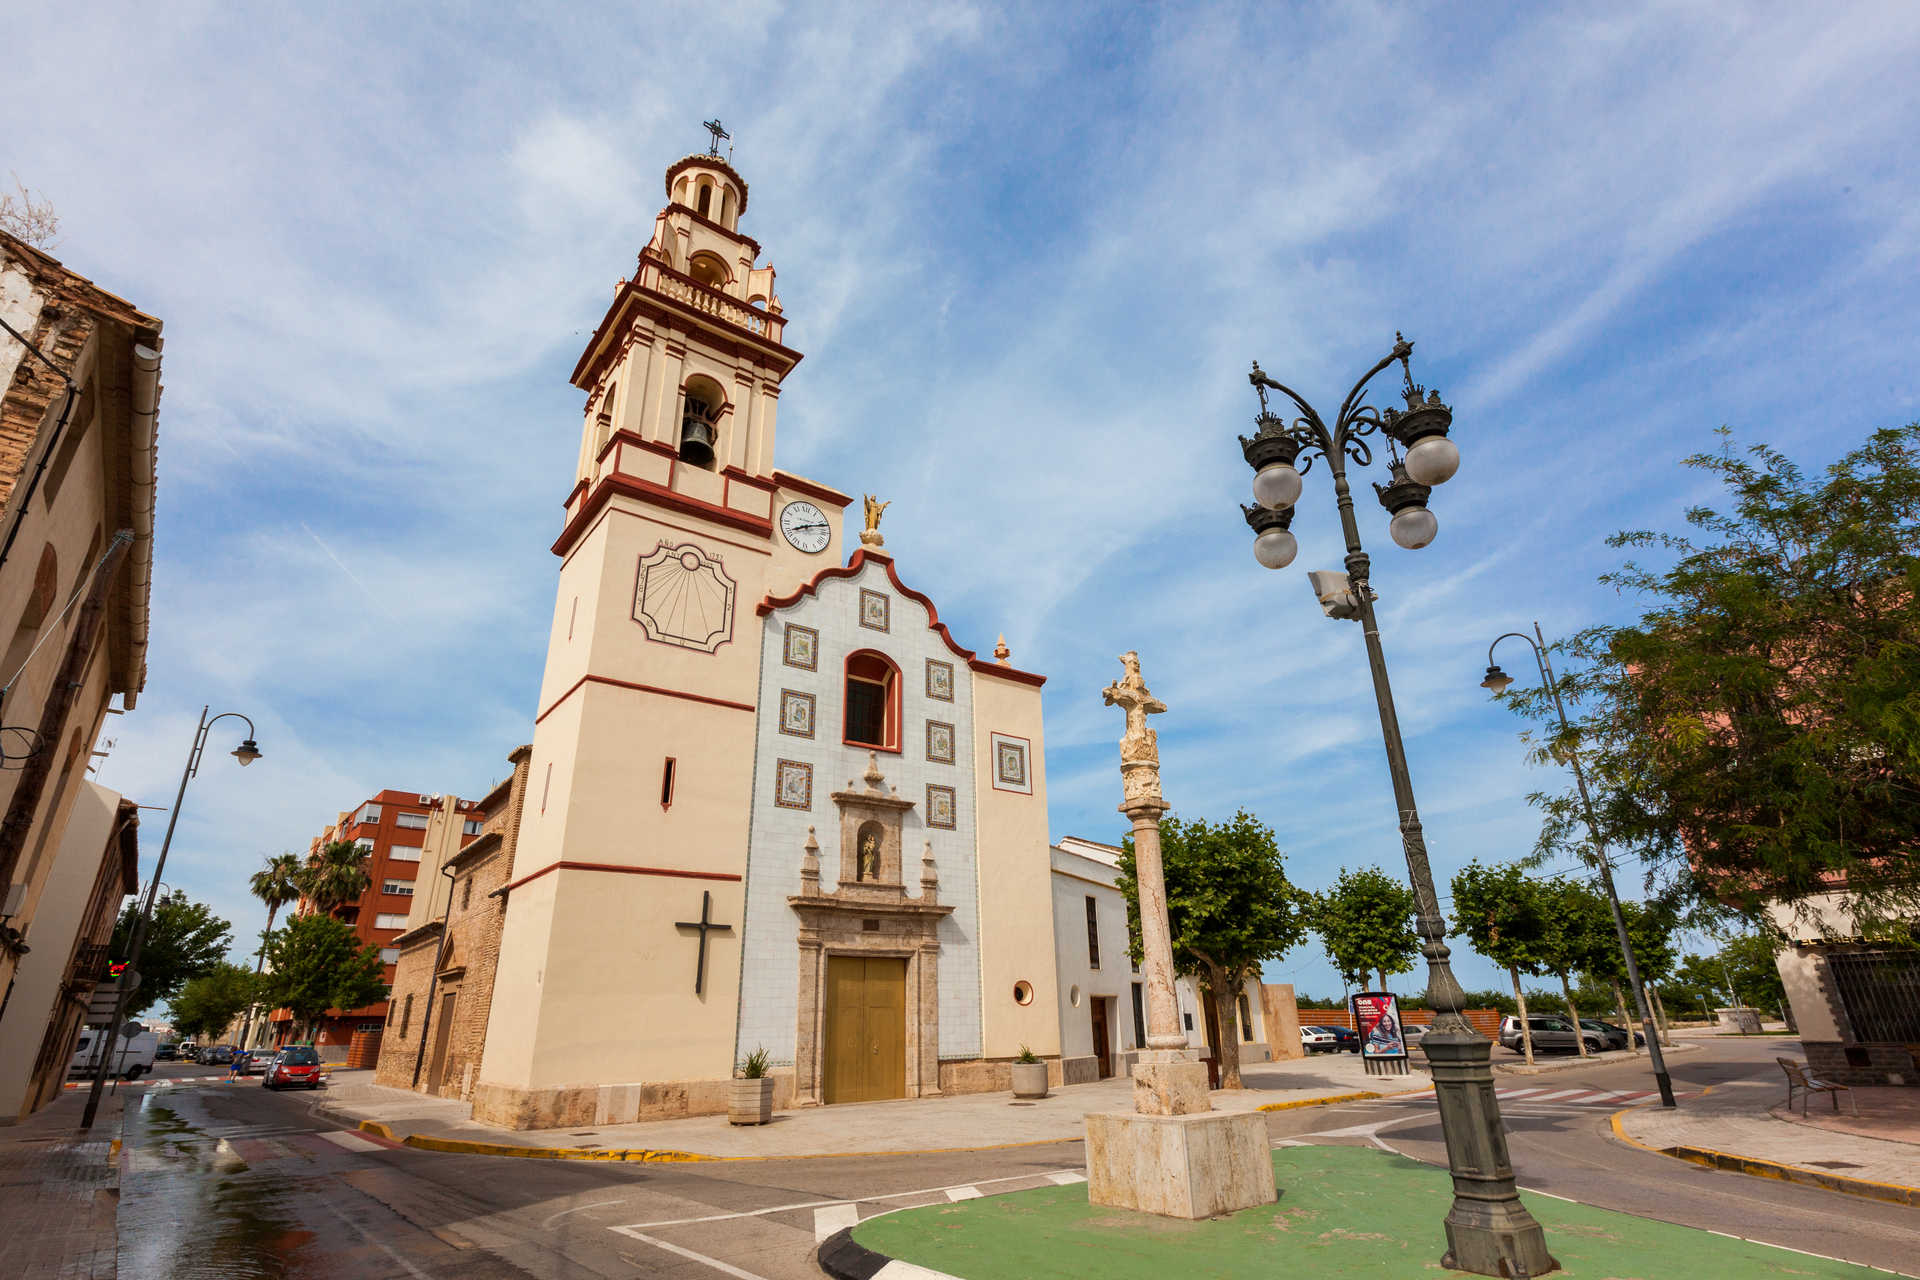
[(1880, 991)]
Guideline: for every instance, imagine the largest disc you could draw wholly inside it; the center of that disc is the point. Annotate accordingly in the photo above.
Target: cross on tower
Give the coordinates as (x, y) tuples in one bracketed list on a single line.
[(704, 924), (719, 132)]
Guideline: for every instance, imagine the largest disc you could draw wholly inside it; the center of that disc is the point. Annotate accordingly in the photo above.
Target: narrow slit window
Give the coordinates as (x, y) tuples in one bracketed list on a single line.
[(667, 771), (1093, 935)]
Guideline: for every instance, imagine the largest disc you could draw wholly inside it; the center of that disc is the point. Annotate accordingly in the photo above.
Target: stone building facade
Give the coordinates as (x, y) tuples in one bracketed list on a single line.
[(436, 1026), (78, 424)]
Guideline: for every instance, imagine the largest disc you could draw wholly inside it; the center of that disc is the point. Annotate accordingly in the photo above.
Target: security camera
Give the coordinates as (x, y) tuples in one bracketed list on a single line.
[(1335, 592)]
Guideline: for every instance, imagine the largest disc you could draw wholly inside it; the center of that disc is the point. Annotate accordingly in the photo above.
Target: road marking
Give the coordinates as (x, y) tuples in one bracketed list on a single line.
[(550, 1219), (835, 1217), (633, 1228), (691, 1256), (351, 1141), (406, 1266), (1066, 1178), (1563, 1093), (1516, 1093), (964, 1193)]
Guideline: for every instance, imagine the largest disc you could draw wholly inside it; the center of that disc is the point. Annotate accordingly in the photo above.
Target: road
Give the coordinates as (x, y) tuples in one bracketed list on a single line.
[(231, 1181)]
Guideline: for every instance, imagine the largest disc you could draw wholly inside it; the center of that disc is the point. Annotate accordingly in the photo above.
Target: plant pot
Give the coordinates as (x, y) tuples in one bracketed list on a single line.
[(1029, 1079), (750, 1101)]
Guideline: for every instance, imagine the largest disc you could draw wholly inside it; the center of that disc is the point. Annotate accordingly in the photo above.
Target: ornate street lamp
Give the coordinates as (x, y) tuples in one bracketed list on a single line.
[(1488, 1230), (247, 752), (1497, 682)]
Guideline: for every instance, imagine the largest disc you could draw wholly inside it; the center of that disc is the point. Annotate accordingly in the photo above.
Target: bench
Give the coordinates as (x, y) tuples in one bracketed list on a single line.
[(1797, 1078)]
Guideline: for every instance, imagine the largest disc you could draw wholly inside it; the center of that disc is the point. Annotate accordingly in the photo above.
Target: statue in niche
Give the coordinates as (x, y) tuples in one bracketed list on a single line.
[(867, 867)]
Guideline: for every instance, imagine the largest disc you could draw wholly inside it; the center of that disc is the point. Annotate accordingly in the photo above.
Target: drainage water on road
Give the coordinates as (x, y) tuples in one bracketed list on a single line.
[(192, 1209)]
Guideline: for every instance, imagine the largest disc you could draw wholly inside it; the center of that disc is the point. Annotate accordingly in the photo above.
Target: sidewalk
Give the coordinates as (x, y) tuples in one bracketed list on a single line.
[(60, 1191), (959, 1122), (1343, 1211), (1742, 1126)]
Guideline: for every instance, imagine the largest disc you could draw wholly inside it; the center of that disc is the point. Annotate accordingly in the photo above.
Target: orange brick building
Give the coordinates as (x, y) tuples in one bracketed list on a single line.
[(395, 828)]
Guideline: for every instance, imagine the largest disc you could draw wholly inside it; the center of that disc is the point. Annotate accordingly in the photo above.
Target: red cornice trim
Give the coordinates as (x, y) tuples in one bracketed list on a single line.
[(852, 568), (659, 494), (1007, 673), (575, 492), (657, 306), (623, 436), (617, 869), (732, 472), (642, 688), (820, 492)]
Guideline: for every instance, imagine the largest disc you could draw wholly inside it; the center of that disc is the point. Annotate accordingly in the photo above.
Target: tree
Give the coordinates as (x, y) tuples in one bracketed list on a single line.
[(33, 221), (184, 940), (1744, 963), (208, 1004), (337, 876), (1229, 907), (1578, 938), (1366, 922), (319, 963), (1500, 911), (1759, 725), (277, 883)]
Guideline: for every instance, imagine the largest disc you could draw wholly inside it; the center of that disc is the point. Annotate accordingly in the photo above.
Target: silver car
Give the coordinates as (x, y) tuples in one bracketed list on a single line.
[(1550, 1033)]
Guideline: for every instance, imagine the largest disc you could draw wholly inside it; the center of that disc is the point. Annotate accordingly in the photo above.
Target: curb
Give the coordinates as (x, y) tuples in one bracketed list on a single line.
[(1728, 1162), (1364, 1095), (460, 1146), (842, 1259)]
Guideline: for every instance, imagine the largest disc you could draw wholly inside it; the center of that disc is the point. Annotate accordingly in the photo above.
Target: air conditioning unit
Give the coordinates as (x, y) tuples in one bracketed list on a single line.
[(427, 799)]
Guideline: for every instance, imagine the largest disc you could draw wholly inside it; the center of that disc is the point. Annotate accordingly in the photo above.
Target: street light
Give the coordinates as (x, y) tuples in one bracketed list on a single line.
[(1497, 681), (1488, 1230), (246, 754)]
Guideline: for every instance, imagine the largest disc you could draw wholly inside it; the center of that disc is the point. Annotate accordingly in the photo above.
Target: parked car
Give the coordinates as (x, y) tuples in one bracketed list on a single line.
[(295, 1065), (1413, 1032), (1348, 1038), (1318, 1040), (167, 1053), (1616, 1035), (1550, 1034), (218, 1055), (132, 1056)]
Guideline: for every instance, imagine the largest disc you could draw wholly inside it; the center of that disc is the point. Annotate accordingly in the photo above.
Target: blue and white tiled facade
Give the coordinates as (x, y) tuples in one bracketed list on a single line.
[(846, 615)]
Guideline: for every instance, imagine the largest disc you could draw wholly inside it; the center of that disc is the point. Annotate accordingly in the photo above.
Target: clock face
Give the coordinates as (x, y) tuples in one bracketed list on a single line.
[(805, 527)]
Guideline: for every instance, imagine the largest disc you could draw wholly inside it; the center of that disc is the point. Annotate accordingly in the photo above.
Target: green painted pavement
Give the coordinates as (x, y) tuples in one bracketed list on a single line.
[(1343, 1211)]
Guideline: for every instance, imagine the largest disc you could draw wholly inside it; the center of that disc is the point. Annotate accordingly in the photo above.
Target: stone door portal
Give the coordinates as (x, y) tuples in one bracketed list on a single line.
[(866, 1029)]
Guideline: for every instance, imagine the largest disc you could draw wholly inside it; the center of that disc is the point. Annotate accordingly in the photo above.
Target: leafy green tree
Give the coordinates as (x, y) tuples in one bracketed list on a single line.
[(1759, 725), (1577, 938), (319, 963), (184, 940), (1744, 963), (1229, 907), (1500, 911), (208, 1004), (337, 876), (1366, 921)]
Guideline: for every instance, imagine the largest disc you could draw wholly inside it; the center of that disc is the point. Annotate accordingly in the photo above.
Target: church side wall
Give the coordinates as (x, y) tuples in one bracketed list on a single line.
[(1016, 896), (769, 993)]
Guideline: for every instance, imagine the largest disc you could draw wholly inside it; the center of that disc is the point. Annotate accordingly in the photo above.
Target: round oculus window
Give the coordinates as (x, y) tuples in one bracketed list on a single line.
[(1023, 993)]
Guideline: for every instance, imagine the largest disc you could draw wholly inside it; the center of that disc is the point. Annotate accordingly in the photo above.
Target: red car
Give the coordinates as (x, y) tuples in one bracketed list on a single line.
[(299, 1065)]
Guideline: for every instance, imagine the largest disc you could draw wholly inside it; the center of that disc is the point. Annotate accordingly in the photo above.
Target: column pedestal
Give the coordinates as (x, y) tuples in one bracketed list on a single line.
[(1181, 1166)]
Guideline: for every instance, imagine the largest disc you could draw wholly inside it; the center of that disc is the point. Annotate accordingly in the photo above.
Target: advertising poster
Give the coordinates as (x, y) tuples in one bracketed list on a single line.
[(1376, 1017)]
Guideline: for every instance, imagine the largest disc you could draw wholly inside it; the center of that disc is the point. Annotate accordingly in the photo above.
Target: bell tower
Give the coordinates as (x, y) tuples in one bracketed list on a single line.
[(676, 526)]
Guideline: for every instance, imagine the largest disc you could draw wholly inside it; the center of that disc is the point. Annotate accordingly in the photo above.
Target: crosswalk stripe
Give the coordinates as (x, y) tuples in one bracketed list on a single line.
[(351, 1141), (1516, 1093), (1564, 1093), (835, 1217), (1066, 1179)]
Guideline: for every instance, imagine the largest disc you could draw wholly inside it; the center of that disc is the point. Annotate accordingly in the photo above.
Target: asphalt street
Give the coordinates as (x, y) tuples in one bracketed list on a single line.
[(233, 1181)]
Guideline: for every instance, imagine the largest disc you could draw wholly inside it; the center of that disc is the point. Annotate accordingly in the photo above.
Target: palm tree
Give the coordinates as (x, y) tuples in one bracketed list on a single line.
[(337, 876), (276, 884)]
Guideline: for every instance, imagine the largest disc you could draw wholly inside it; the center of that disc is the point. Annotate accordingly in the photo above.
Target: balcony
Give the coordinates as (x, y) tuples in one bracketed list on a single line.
[(90, 963), (709, 301)]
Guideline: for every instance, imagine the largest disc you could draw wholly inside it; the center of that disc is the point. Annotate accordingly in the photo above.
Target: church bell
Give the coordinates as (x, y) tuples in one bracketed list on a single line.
[(696, 438)]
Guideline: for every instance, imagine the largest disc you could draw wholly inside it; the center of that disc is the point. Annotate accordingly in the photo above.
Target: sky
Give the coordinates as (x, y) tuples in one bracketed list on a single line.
[(1029, 252)]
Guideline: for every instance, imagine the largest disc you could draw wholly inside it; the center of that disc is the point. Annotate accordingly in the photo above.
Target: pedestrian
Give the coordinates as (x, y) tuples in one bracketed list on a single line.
[(237, 1066)]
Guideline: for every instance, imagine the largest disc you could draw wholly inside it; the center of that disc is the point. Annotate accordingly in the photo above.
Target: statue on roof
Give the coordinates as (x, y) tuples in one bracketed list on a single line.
[(870, 536)]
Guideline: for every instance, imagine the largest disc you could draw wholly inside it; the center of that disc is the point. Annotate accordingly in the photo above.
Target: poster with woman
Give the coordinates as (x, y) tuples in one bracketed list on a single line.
[(1376, 1017)]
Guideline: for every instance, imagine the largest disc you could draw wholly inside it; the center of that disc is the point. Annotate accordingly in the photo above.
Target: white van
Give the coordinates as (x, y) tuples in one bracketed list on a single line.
[(132, 1058)]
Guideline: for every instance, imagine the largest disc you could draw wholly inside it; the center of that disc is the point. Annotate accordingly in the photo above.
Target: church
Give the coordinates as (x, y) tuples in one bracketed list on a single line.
[(771, 801)]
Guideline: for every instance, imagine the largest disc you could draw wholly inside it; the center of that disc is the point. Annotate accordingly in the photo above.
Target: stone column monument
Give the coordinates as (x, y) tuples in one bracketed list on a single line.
[(1172, 1154)]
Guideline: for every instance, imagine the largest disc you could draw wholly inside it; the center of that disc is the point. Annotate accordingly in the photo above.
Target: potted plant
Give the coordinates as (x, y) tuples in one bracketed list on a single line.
[(751, 1101), (1029, 1075)]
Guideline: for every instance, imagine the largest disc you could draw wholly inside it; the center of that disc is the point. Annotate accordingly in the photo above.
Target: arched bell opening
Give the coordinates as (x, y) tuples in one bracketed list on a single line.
[(700, 412)]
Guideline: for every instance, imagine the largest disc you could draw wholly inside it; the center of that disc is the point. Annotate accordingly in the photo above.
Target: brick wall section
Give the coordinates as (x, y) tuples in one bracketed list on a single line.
[(1862, 1064), (475, 920), (66, 320)]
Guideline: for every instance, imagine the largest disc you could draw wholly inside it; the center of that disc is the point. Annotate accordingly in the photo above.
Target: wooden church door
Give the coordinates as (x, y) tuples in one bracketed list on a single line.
[(866, 1029)]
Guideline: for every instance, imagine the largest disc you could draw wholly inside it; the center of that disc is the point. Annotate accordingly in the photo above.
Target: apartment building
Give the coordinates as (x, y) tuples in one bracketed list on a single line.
[(399, 831)]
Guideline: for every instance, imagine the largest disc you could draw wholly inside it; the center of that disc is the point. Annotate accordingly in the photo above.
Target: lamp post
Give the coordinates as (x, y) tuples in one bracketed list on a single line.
[(1488, 1230), (1497, 682), (246, 753)]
